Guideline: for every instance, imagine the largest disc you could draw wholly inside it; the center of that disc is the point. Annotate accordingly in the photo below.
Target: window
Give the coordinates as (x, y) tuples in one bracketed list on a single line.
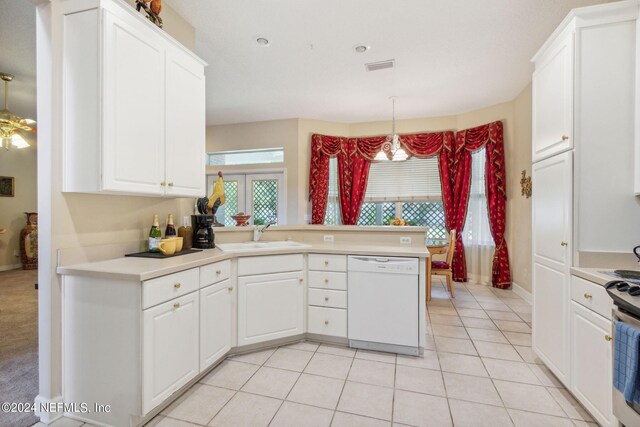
[(260, 194), (410, 190), (246, 157), (476, 228)]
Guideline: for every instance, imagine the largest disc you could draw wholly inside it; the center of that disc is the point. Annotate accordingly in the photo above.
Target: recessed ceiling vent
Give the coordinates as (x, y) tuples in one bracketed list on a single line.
[(375, 66)]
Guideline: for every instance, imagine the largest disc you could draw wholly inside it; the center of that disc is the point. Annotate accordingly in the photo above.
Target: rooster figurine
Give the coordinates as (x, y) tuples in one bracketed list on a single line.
[(210, 205), (152, 8)]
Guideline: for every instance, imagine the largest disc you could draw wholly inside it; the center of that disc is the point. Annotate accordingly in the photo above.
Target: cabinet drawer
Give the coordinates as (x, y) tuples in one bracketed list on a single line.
[(328, 321), (156, 291), (327, 298), (250, 266), (325, 262), (214, 273), (592, 296), (328, 280)]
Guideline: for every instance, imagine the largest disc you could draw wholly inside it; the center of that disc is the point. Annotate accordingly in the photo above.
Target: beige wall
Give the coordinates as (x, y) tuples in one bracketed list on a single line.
[(20, 164), (518, 206), (269, 134)]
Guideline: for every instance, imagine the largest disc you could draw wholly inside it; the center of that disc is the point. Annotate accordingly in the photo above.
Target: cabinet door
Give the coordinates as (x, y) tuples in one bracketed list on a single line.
[(215, 322), (270, 306), (170, 348), (591, 363), (185, 125), (133, 125), (553, 100), (552, 203)]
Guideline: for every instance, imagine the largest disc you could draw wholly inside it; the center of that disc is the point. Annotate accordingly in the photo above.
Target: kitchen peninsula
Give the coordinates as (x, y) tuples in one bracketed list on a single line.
[(154, 327)]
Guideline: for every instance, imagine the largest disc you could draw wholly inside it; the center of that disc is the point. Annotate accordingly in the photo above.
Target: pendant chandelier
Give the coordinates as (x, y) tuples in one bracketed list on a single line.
[(391, 149), (11, 125)]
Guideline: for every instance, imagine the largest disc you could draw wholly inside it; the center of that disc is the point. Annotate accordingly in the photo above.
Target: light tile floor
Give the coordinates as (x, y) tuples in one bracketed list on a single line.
[(478, 370)]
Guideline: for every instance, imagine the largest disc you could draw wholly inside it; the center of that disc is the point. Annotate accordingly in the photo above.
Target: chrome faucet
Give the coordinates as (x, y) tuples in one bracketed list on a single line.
[(257, 232)]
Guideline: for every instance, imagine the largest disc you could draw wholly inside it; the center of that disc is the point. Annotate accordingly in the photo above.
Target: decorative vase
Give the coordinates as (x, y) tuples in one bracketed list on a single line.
[(29, 242)]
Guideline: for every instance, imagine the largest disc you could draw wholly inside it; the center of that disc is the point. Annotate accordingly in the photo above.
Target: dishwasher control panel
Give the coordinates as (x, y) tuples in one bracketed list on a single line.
[(384, 264)]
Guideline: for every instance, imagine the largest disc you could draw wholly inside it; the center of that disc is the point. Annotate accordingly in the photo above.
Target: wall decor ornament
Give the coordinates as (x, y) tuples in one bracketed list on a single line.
[(525, 183), (152, 8), (7, 186)]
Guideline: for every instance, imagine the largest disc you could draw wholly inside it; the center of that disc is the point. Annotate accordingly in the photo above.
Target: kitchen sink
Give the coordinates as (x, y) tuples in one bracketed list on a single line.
[(252, 246)]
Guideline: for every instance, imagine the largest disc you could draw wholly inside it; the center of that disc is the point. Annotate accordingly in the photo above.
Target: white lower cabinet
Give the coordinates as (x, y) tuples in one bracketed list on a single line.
[(270, 306), (327, 311), (215, 322), (328, 321), (591, 362), (170, 348)]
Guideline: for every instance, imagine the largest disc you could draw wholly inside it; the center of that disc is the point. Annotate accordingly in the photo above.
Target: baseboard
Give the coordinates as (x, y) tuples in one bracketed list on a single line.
[(48, 410), (10, 267), (522, 292)]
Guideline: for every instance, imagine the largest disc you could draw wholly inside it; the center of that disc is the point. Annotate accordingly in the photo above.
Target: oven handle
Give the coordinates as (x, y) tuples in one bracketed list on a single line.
[(625, 318)]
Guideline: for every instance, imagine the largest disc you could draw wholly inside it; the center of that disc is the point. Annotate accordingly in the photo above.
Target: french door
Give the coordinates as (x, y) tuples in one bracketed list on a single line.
[(262, 195)]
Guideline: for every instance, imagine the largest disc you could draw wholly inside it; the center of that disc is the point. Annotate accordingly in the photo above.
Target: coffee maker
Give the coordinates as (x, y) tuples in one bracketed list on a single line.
[(203, 237)]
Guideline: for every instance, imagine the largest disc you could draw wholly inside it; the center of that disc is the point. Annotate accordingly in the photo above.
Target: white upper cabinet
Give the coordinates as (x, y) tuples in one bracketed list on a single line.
[(133, 104), (185, 105), (553, 98)]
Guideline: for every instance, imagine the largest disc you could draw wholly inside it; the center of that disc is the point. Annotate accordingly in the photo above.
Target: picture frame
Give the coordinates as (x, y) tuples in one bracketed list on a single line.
[(7, 186)]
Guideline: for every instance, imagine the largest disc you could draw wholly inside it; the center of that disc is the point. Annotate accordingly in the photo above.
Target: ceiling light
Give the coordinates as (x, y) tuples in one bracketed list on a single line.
[(362, 48), (10, 124), (391, 148), (264, 42)]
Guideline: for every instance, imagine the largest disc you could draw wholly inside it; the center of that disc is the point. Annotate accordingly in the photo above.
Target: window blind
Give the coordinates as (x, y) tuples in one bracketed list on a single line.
[(414, 179)]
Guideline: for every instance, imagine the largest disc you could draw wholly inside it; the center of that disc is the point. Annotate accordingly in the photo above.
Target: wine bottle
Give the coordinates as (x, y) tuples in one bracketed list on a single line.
[(186, 232), (170, 231), (154, 235)]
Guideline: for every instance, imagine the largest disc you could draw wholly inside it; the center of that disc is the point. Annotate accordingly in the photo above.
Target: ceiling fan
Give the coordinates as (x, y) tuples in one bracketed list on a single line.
[(12, 127)]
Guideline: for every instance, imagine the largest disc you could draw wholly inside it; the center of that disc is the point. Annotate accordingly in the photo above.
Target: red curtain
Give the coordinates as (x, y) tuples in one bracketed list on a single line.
[(322, 149), (455, 176), (353, 171), (491, 136), (354, 157)]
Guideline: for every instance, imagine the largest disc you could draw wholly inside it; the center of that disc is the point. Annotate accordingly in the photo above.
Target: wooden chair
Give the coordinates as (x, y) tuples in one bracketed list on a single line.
[(443, 268)]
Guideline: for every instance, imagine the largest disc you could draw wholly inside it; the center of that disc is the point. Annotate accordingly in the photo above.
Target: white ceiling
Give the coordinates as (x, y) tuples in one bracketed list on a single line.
[(18, 55), (451, 56)]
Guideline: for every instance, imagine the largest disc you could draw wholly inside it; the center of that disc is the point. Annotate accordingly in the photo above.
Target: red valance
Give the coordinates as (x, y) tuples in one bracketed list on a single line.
[(454, 150)]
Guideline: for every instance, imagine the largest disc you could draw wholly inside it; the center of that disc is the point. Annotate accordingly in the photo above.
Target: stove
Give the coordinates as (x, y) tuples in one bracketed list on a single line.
[(625, 295)]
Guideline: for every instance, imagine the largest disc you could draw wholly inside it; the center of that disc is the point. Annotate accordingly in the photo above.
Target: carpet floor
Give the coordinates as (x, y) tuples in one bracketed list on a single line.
[(18, 343)]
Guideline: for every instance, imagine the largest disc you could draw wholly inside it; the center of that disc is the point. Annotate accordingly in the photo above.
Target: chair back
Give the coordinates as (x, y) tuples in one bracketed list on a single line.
[(452, 246)]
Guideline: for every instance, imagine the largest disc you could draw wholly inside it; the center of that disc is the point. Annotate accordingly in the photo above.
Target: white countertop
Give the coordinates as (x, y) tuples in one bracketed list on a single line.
[(594, 275), (139, 269)]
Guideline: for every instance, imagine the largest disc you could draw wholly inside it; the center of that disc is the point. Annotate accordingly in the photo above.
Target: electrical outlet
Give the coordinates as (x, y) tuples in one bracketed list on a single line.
[(307, 218), (405, 240), (328, 237), (16, 253)]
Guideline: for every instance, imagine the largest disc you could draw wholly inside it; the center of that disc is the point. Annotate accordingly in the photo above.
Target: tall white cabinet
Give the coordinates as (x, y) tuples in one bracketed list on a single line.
[(552, 229), (134, 105), (583, 198)]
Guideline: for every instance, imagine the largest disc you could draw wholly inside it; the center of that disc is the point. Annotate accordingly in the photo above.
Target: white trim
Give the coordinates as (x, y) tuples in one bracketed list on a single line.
[(10, 267), (522, 292), (47, 417)]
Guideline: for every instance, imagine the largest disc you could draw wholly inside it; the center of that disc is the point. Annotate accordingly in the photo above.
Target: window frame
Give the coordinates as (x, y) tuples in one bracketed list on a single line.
[(257, 150), (279, 174)]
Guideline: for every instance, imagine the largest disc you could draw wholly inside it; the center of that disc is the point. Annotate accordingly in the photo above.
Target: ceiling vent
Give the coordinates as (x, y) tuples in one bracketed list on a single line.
[(375, 66)]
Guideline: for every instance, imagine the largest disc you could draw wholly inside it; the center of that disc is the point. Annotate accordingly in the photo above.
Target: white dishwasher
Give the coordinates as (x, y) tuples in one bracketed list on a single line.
[(383, 304)]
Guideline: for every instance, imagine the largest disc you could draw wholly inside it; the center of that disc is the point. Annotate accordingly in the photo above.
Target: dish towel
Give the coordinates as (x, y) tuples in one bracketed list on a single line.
[(626, 359)]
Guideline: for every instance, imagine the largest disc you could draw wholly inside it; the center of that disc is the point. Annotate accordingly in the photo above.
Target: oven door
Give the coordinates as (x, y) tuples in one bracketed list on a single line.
[(627, 415)]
